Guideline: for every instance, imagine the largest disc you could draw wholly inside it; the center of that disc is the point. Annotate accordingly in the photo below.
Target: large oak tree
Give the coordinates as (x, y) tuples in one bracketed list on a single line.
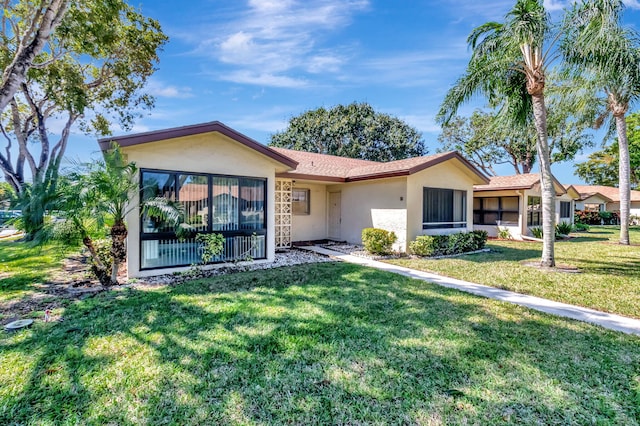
[(355, 130)]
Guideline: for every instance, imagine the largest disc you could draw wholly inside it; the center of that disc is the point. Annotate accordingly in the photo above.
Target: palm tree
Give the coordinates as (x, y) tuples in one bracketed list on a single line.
[(508, 65), (113, 182), (599, 45)]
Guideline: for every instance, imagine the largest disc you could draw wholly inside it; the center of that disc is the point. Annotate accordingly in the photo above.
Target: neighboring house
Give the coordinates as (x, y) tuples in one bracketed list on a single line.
[(601, 198), (515, 203), (263, 198)]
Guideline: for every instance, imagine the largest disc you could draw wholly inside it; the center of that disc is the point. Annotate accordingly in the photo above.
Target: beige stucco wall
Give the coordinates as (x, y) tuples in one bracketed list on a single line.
[(376, 203), (579, 205), (204, 153), (314, 225), (450, 175), (633, 211)]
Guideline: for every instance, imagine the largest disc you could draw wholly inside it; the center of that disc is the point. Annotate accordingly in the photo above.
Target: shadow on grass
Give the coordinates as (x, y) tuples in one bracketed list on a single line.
[(318, 344)]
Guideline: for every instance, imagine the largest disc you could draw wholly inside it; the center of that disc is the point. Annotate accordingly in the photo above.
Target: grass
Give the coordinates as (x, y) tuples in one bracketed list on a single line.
[(609, 280), (23, 266), (314, 344)]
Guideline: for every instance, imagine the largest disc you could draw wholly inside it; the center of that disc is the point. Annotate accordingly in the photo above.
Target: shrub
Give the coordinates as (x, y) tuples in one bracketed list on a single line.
[(537, 232), (440, 245), (581, 227), (564, 228), (504, 234), (212, 245), (378, 241)]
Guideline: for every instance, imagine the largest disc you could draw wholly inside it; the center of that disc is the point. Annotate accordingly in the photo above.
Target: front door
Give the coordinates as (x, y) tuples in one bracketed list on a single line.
[(335, 215)]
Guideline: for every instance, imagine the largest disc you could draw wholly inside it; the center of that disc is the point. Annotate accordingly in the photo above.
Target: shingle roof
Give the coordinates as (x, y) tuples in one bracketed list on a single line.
[(609, 192), (523, 181), (329, 166), (341, 169)]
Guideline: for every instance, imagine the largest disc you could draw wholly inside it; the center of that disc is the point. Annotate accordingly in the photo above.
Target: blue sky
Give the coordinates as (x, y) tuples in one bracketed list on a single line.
[(253, 64)]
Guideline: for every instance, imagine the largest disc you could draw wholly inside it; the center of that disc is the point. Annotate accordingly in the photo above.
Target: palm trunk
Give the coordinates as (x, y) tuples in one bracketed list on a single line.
[(118, 249), (548, 192), (99, 267), (624, 178)]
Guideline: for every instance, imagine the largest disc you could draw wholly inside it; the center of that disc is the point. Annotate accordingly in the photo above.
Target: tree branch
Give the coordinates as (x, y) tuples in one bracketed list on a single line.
[(16, 71)]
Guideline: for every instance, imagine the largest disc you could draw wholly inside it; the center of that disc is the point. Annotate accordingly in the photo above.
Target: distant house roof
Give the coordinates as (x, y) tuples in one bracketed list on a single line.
[(325, 167), (176, 132), (522, 181), (609, 193)]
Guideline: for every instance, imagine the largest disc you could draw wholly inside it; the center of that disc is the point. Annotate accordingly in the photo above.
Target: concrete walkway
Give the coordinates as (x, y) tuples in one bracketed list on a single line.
[(603, 319)]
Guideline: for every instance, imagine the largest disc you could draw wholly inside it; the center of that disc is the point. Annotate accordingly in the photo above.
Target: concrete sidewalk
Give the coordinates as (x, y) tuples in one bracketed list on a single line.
[(603, 319)]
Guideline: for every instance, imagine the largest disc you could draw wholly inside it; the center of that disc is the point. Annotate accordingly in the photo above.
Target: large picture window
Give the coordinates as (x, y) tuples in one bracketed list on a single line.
[(444, 208), (230, 205), (496, 211), (534, 211), (565, 209)]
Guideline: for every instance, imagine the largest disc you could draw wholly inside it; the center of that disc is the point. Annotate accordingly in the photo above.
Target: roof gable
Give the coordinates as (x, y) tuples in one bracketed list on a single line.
[(521, 181), (610, 193), (177, 132)]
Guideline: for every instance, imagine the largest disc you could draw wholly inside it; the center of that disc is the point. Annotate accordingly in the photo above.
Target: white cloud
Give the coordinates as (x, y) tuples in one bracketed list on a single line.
[(632, 4), (161, 90), (263, 79), (273, 40), (553, 5)]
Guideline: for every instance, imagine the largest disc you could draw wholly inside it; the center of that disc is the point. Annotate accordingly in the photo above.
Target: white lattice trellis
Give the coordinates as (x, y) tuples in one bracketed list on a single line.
[(283, 213)]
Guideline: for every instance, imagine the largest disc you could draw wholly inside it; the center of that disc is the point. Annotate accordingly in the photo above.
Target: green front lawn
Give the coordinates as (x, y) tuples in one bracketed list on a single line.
[(23, 266), (314, 344), (609, 280)]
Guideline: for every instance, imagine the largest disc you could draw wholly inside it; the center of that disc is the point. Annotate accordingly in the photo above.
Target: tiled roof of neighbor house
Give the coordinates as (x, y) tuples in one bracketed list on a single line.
[(341, 169), (193, 192), (176, 132), (610, 192), (522, 181)]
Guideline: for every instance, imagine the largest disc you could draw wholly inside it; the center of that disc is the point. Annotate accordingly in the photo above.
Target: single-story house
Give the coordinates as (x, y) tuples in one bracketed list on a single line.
[(515, 203), (261, 198), (604, 198)]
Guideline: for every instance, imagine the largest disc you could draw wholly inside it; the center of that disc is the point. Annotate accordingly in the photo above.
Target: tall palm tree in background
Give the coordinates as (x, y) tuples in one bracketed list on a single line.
[(509, 65), (600, 46)]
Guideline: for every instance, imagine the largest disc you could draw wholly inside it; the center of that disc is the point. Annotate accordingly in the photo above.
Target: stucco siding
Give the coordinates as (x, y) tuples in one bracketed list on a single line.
[(314, 225), (203, 153), (447, 175), (380, 204)]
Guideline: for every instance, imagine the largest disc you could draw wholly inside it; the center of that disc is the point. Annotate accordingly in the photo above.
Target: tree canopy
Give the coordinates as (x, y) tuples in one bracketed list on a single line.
[(602, 167), (89, 71), (355, 131), (488, 140)]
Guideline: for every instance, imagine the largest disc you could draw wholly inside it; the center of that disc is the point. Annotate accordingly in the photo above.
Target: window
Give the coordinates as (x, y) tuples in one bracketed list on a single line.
[(593, 207), (565, 209), (300, 201), (534, 211), (444, 208), (229, 205), (496, 211)]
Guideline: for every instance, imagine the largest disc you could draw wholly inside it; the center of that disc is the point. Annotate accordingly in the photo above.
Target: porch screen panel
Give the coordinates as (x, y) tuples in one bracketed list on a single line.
[(194, 198), (225, 191), (252, 206)]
